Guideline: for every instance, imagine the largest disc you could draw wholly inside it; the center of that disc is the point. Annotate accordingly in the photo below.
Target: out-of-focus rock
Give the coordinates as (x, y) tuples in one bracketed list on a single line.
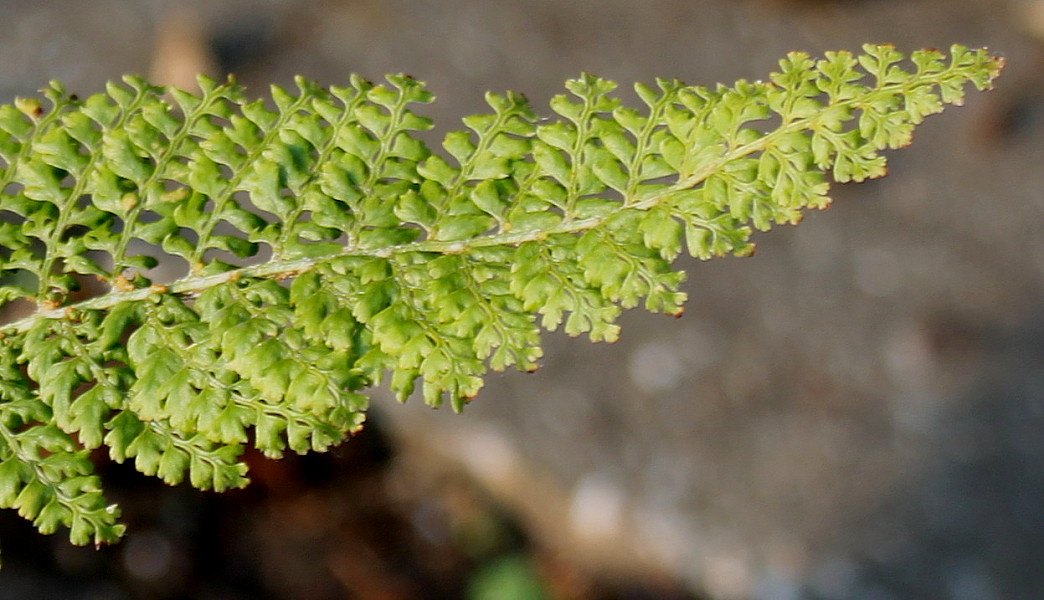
[(182, 49)]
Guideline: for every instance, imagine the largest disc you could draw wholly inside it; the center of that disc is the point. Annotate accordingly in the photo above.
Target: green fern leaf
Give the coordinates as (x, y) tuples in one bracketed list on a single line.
[(323, 248)]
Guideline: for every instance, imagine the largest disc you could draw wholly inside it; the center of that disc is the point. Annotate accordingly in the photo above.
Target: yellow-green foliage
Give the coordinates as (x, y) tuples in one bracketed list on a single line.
[(373, 255)]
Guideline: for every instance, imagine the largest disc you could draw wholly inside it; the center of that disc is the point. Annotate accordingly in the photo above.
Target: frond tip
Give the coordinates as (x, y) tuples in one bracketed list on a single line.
[(262, 263)]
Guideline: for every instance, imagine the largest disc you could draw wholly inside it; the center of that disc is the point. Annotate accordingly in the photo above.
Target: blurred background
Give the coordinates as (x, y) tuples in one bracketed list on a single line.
[(856, 412)]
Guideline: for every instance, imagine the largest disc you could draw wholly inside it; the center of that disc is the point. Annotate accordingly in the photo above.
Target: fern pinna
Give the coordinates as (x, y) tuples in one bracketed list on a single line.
[(373, 256)]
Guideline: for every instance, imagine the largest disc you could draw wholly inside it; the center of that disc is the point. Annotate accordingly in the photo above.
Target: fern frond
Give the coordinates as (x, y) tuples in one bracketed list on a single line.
[(322, 247)]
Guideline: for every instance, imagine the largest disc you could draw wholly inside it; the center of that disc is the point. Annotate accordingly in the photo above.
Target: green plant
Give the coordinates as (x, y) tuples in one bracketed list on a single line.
[(373, 256)]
